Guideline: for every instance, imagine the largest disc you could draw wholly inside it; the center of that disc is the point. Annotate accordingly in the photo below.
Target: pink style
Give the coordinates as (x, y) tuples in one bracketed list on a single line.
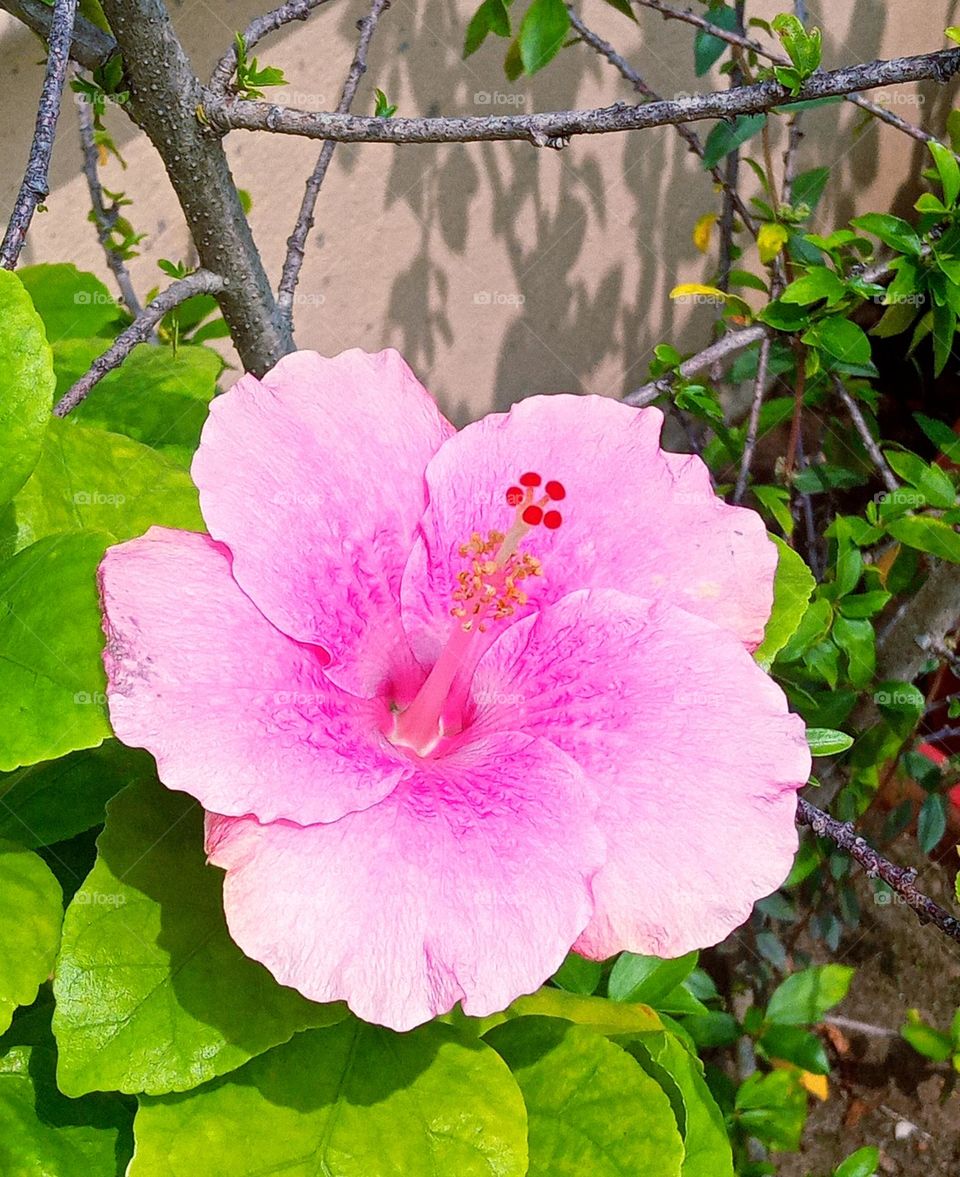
[(456, 702)]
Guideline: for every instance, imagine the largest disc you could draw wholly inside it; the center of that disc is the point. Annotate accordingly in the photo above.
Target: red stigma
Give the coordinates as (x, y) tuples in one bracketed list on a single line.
[(514, 496), (533, 515), (530, 479), (553, 519), (555, 490)]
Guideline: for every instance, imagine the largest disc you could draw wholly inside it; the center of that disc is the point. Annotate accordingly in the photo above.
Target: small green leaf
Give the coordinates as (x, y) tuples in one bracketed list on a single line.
[(31, 911), (772, 1108), (935, 485), (803, 999), (817, 283), (542, 33), (825, 741), (924, 1039), (840, 338), (808, 186), (949, 171), (931, 822), (796, 1045), (383, 108), (891, 230), (26, 385), (927, 534), (648, 978), (728, 136), (491, 17), (863, 1163), (577, 975), (708, 49), (352, 1101), (792, 587)]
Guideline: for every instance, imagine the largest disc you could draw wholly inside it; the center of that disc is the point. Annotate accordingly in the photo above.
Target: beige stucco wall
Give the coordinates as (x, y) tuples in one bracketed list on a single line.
[(498, 269)]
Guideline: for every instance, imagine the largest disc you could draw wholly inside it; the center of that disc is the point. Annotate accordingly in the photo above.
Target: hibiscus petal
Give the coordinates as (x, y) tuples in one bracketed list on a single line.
[(313, 476), (468, 883), (634, 517), (235, 713), (690, 748)]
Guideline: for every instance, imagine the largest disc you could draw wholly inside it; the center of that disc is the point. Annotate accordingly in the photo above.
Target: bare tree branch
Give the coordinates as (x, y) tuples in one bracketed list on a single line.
[(255, 32), (296, 242), (689, 136), (901, 879), (725, 347), (91, 47), (36, 182), (164, 99), (869, 444), (552, 129), (753, 424), (139, 331), (104, 218)]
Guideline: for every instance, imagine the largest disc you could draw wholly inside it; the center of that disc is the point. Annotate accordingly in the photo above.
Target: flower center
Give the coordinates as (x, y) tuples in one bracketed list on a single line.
[(487, 591)]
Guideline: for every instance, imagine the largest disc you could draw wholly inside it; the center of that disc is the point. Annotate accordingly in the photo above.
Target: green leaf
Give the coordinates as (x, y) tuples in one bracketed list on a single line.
[(900, 699), (72, 303), (927, 534), (707, 49), (796, 1045), (152, 994), (58, 799), (712, 1029), (31, 910), (597, 1013), (942, 436), (858, 641), (891, 230), (699, 1119), (937, 489), (825, 741), (578, 975), (926, 1040), (805, 997), (863, 1163), (949, 171), (865, 604), (772, 1108), (648, 978), (156, 396), (26, 385), (90, 479), (819, 282), (51, 675), (728, 136), (570, 1079), (808, 186), (45, 1134), (491, 17), (542, 33), (792, 587), (931, 822), (840, 338), (349, 1101)]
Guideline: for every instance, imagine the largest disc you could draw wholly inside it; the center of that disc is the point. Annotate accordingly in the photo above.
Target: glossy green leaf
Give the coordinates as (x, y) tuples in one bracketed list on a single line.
[(600, 1014), (772, 1108), (928, 534), (948, 170), (864, 1162), (26, 385), (31, 910), (926, 1039), (792, 587), (819, 282), (152, 994), (51, 675), (808, 186), (891, 230), (825, 741), (542, 33), (45, 1134), (571, 1078), (839, 338), (728, 136), (72, 303), (707, 49), (648, 979), (491, 17), (857, 639), (57, 799), (156, 396), (796, 1045), (931, 822), (578, 975), (350, 1101), (805, 997), (931, 481), (706, 1146)]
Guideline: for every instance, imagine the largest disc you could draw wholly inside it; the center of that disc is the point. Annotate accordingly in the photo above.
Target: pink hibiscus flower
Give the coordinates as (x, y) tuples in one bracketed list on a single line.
[(455, 702)]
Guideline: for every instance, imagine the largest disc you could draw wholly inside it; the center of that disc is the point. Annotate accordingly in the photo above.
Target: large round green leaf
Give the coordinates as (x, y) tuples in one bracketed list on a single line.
[(88, 478), (51, 675), (44, 1134), (591, 1108), (31, 909), (26, 385), (350, 1101), (152, 994)]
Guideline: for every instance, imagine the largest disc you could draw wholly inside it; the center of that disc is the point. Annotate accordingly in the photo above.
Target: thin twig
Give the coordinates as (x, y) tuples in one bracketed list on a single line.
[(753, 424), (554, 128), (91, 47), (104, 218), (869, 444), (739, 39), (297, 241), (199, 282), (255, 32), (36, 182), (689, 136), (796, 422), (725, 347), (731, 179), (901, 879)]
